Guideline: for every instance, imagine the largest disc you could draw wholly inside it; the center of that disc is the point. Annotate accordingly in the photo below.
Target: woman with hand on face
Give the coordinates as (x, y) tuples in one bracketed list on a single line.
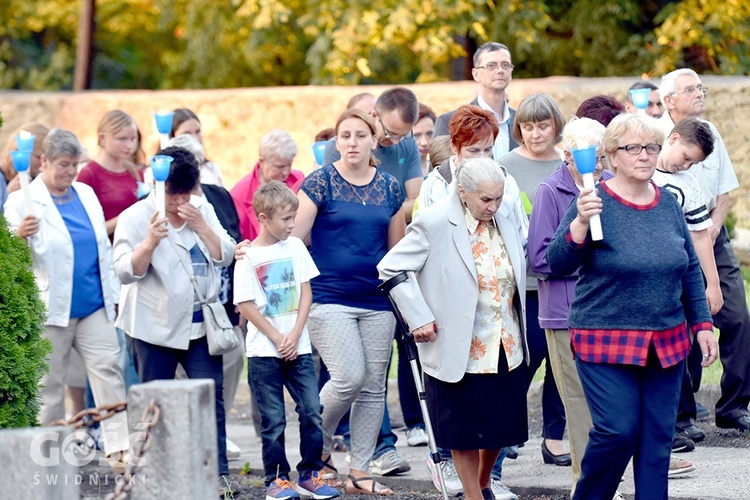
[(160, 311), (639, 300), (73, 269), (187, 122), (349, 212), (113, 173), (538, 127), (423, 130), (463, 301)]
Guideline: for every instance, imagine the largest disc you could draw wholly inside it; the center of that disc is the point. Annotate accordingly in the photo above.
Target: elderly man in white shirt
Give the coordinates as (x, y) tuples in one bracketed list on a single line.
[(683, 95)]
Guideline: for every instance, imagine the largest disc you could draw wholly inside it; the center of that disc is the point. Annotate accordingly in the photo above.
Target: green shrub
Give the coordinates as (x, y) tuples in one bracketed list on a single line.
[(22, 349)]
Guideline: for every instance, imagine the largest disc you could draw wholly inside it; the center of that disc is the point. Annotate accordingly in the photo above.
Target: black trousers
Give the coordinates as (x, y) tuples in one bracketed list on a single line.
[(733, 322)]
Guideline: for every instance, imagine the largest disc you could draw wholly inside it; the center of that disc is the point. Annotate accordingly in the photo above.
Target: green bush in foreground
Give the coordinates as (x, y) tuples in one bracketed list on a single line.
[(22, 349)]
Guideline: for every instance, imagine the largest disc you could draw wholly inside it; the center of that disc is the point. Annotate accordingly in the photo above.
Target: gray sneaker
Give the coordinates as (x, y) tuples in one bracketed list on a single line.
[(416, 436), (389, 463), (501, 491), (453, 484)]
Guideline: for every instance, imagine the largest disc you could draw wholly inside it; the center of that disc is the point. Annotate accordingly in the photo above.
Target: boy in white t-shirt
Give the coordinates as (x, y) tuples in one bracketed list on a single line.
[(690, 142), (272, 290)]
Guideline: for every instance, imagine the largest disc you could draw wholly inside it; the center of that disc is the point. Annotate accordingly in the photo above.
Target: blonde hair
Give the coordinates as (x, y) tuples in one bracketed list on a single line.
[(630, 123), (112, 123), (272, 196), (6, 165)]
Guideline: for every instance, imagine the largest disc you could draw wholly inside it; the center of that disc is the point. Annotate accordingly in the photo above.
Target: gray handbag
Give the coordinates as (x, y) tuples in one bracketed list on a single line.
[(219, 330)]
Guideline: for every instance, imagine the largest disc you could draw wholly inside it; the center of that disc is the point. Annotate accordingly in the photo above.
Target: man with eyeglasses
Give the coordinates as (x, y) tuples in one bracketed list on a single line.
[(493, 70), (395, 114), (683, 96), (655, 107)]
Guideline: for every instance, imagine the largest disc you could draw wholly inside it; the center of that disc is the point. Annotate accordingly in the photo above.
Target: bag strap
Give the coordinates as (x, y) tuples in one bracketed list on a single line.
[(188, 270)]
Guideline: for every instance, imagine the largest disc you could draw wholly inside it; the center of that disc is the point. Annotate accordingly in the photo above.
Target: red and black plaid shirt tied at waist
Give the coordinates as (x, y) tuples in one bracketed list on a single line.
[(630, 347)]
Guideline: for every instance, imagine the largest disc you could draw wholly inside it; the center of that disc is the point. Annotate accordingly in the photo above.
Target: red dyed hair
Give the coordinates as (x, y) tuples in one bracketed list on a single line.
[(470, 124)]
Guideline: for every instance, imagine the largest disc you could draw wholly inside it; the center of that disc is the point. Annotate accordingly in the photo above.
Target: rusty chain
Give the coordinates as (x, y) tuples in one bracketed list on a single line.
[(149, 419), (91, 416)]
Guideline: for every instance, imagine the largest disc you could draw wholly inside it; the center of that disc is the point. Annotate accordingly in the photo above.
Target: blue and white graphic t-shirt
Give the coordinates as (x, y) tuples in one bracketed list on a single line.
[(271, 277)]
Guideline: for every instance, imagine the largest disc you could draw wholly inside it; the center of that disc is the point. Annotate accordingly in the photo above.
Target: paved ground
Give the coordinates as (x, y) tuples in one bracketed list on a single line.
[(722, 461)]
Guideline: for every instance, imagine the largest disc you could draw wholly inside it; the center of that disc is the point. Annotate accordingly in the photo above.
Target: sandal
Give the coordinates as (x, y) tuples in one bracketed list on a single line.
[(330, 474), (376, 489)]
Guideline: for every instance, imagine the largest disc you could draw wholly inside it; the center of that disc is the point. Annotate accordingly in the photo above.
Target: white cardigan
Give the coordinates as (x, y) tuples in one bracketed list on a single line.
[(157, 307), (442, 281), (52, 248)]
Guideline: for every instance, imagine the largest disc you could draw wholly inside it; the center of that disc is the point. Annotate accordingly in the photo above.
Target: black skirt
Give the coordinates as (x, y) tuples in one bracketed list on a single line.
[(481, 411)]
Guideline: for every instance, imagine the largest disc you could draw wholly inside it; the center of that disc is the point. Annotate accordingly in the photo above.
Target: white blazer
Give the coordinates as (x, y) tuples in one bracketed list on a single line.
[(443, 286), (52, 248), (157, 307)]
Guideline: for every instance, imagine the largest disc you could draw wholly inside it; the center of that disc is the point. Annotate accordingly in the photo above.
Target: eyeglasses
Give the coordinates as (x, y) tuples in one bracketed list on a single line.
[(692, 90), (493, 66), (394, 137), (506, 66), (635, 149)]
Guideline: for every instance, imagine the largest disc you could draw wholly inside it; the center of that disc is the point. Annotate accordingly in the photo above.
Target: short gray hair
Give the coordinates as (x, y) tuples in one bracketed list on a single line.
[(190, 143), (581, 133), (488, 47), (667, 85), (278, 144), (59, 142), (474, 172)]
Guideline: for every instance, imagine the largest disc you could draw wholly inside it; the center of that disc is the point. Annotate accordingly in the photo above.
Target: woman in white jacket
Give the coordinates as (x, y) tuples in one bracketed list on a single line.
[(159, 310), (73, 268)]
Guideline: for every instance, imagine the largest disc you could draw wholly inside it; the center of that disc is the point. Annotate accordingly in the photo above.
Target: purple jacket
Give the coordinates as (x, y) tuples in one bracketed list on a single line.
[(556, 293)]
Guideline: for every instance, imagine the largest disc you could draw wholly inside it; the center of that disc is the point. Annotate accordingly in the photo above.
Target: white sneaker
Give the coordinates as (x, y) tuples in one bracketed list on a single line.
[(453, 484), (233, 451), (501, 491), (389, 464), (677, 466), (416, 436)]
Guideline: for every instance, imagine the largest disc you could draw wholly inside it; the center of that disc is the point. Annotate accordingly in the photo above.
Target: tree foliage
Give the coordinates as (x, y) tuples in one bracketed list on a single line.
[(22, 349), (209, 44)]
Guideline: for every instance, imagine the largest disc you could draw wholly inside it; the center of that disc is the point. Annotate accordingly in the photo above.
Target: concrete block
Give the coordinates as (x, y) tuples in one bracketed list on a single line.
[(182, 462), (40, 462)]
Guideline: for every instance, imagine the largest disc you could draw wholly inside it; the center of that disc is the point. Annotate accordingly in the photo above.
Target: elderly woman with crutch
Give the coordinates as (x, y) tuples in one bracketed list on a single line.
[(464, 302)]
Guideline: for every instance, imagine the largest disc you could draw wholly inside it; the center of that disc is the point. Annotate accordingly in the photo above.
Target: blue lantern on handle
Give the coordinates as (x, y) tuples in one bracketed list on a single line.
[(585, 159), (21, 160), (640, 99), (160, 165), (25, 142)]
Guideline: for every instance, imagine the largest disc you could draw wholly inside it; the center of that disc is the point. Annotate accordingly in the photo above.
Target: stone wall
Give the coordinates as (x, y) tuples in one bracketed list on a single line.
[(234, 120)]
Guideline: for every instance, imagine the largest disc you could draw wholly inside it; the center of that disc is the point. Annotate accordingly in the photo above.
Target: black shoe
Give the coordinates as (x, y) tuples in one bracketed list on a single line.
[(487, 494), (681, 443), (701, 412), (741, 423), (511, 452), (563, 460), (692, 432)]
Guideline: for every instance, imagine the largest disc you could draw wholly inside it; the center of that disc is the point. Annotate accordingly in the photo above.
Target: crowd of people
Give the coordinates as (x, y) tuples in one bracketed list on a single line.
[(484, 211)]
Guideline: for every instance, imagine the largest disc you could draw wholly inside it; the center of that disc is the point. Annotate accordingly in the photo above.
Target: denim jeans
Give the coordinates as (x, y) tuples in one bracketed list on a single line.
[(155, 362), (267, 377)]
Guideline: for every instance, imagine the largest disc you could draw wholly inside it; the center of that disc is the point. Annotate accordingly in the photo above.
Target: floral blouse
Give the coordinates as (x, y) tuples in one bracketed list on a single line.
[(495, 322)]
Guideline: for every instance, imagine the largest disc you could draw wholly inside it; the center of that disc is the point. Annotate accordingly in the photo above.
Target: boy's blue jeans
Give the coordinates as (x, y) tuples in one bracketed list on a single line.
[(267, 377)]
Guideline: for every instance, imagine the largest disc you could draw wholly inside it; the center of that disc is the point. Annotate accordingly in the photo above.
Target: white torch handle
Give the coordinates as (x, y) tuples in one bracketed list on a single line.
[(595, 223), (24, 176), (164, 140), (160, 198)]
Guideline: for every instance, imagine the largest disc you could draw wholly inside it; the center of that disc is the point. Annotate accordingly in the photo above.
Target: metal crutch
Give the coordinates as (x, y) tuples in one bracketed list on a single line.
[(411, 352)]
